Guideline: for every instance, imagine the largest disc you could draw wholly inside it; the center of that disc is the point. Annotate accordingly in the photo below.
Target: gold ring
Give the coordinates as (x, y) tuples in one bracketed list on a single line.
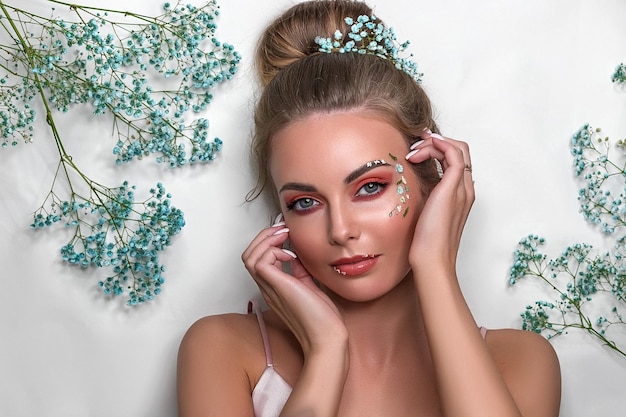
[(468, 168)]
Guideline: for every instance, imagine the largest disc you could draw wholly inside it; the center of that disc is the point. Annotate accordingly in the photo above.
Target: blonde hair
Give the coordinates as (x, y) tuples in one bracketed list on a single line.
[(300, 81)]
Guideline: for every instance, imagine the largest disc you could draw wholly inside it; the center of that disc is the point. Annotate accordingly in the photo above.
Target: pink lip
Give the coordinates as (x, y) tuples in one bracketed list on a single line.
[(355, 265)]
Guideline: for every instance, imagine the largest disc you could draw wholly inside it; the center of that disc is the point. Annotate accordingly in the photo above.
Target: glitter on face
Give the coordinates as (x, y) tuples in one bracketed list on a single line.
[(402, 190), (375, 162)]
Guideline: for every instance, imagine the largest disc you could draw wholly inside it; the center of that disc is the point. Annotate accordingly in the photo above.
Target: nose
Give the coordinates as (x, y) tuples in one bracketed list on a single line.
[(342, 226)]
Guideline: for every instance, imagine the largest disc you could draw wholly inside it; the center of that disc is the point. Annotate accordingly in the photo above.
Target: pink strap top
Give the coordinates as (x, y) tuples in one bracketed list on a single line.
[(271, 392)]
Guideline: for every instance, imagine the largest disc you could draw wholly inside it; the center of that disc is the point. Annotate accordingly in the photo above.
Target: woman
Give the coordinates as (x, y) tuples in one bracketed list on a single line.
[(366, 315)]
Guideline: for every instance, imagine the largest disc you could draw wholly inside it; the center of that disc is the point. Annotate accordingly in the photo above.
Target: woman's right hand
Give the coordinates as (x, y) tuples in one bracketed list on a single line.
[(308, 312)]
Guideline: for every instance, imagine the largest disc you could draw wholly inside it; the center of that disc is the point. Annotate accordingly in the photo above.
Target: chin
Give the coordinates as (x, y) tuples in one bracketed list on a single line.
[(359, 292)]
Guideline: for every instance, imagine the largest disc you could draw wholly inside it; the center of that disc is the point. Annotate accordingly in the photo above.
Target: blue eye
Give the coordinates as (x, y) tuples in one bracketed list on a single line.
[(371, 188), (302, 204)]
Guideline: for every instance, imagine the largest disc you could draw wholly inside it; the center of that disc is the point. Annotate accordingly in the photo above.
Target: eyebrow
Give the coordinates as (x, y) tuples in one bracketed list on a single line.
[(297, 187), (368, 166)]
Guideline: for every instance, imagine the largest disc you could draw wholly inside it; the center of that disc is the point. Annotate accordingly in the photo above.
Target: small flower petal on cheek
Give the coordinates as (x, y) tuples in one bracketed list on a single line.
[(401, 188)]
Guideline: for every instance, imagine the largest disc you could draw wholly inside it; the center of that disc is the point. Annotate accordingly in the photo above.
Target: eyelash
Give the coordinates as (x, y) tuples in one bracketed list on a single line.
[(293, 203), (379, 184)]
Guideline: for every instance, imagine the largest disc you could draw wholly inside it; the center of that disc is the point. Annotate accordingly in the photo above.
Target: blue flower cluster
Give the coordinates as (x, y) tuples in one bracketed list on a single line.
[(577, 275), (16, 114), (536, 318), (527, 258), (103, 236), (619, 76), (367, 36), (598, 203), (580, 273), (112, 64)]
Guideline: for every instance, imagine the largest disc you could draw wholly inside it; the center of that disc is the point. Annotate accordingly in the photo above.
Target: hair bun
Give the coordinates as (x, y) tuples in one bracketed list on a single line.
[(292, 35)]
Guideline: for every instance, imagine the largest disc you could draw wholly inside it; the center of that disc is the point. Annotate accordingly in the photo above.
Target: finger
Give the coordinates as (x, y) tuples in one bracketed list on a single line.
[(452, 150), (285, 294), (467, 160), (263, 234), (277, 224), (269, 238), (430, 142), (266, 264), (298, 270), (452, 154), (467, 174), (253, 256), (270, 277), (449, 155), (427, 137)]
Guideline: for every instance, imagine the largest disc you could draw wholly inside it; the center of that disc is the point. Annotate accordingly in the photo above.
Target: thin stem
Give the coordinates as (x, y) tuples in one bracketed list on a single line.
[(76, 7), (65, 158)]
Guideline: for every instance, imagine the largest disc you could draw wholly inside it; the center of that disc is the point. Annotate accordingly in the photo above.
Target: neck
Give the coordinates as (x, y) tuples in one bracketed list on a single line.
[(381, 328)]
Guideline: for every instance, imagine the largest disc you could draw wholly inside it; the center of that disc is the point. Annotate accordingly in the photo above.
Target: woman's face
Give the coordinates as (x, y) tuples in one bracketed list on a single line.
[(350, 200)]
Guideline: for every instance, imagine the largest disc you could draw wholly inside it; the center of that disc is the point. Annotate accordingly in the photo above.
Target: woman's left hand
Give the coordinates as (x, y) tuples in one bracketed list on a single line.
[(440, 225)]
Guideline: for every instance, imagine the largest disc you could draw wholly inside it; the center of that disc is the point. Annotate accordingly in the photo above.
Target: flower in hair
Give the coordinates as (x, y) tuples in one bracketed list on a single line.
[(367, 36)]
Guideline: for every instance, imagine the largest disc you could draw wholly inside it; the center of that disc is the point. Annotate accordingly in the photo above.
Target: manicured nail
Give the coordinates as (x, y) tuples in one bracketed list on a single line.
[(290, 253), (427, 131), (410, 154), (278, 220), (416, 144), (281, 231), (437, 136)]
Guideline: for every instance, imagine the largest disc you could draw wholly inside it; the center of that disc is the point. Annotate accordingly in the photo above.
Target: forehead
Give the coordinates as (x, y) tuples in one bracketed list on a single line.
[(336, 143)]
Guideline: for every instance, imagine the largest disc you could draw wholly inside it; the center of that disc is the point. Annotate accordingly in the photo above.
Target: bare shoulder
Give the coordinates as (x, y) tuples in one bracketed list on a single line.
[(219, 360), (230, 340), (530, 368), (217, 331), (518, 345)]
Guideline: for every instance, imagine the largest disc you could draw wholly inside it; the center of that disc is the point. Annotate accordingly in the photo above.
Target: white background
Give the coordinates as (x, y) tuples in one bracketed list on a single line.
[(514, 78)]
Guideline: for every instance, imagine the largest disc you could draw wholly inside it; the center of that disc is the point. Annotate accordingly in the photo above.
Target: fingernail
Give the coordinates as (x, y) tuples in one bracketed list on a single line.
[(437, 136), (278, 220), (290, 253), (427, 131), (410, 154), (281, 231), (416, 144)]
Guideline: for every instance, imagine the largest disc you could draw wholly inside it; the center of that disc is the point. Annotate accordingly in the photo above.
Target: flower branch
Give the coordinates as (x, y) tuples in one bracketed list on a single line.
[(590, 286), (66, 62)]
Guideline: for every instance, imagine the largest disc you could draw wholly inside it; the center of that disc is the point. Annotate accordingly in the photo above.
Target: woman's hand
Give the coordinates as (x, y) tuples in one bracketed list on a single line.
[(311, 316), (469, 381), (439, 228), (308, 312)]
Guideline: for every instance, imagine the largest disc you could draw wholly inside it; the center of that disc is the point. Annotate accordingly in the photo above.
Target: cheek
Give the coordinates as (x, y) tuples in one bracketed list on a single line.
[(305, 240), (296, 240), (397, 230)]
